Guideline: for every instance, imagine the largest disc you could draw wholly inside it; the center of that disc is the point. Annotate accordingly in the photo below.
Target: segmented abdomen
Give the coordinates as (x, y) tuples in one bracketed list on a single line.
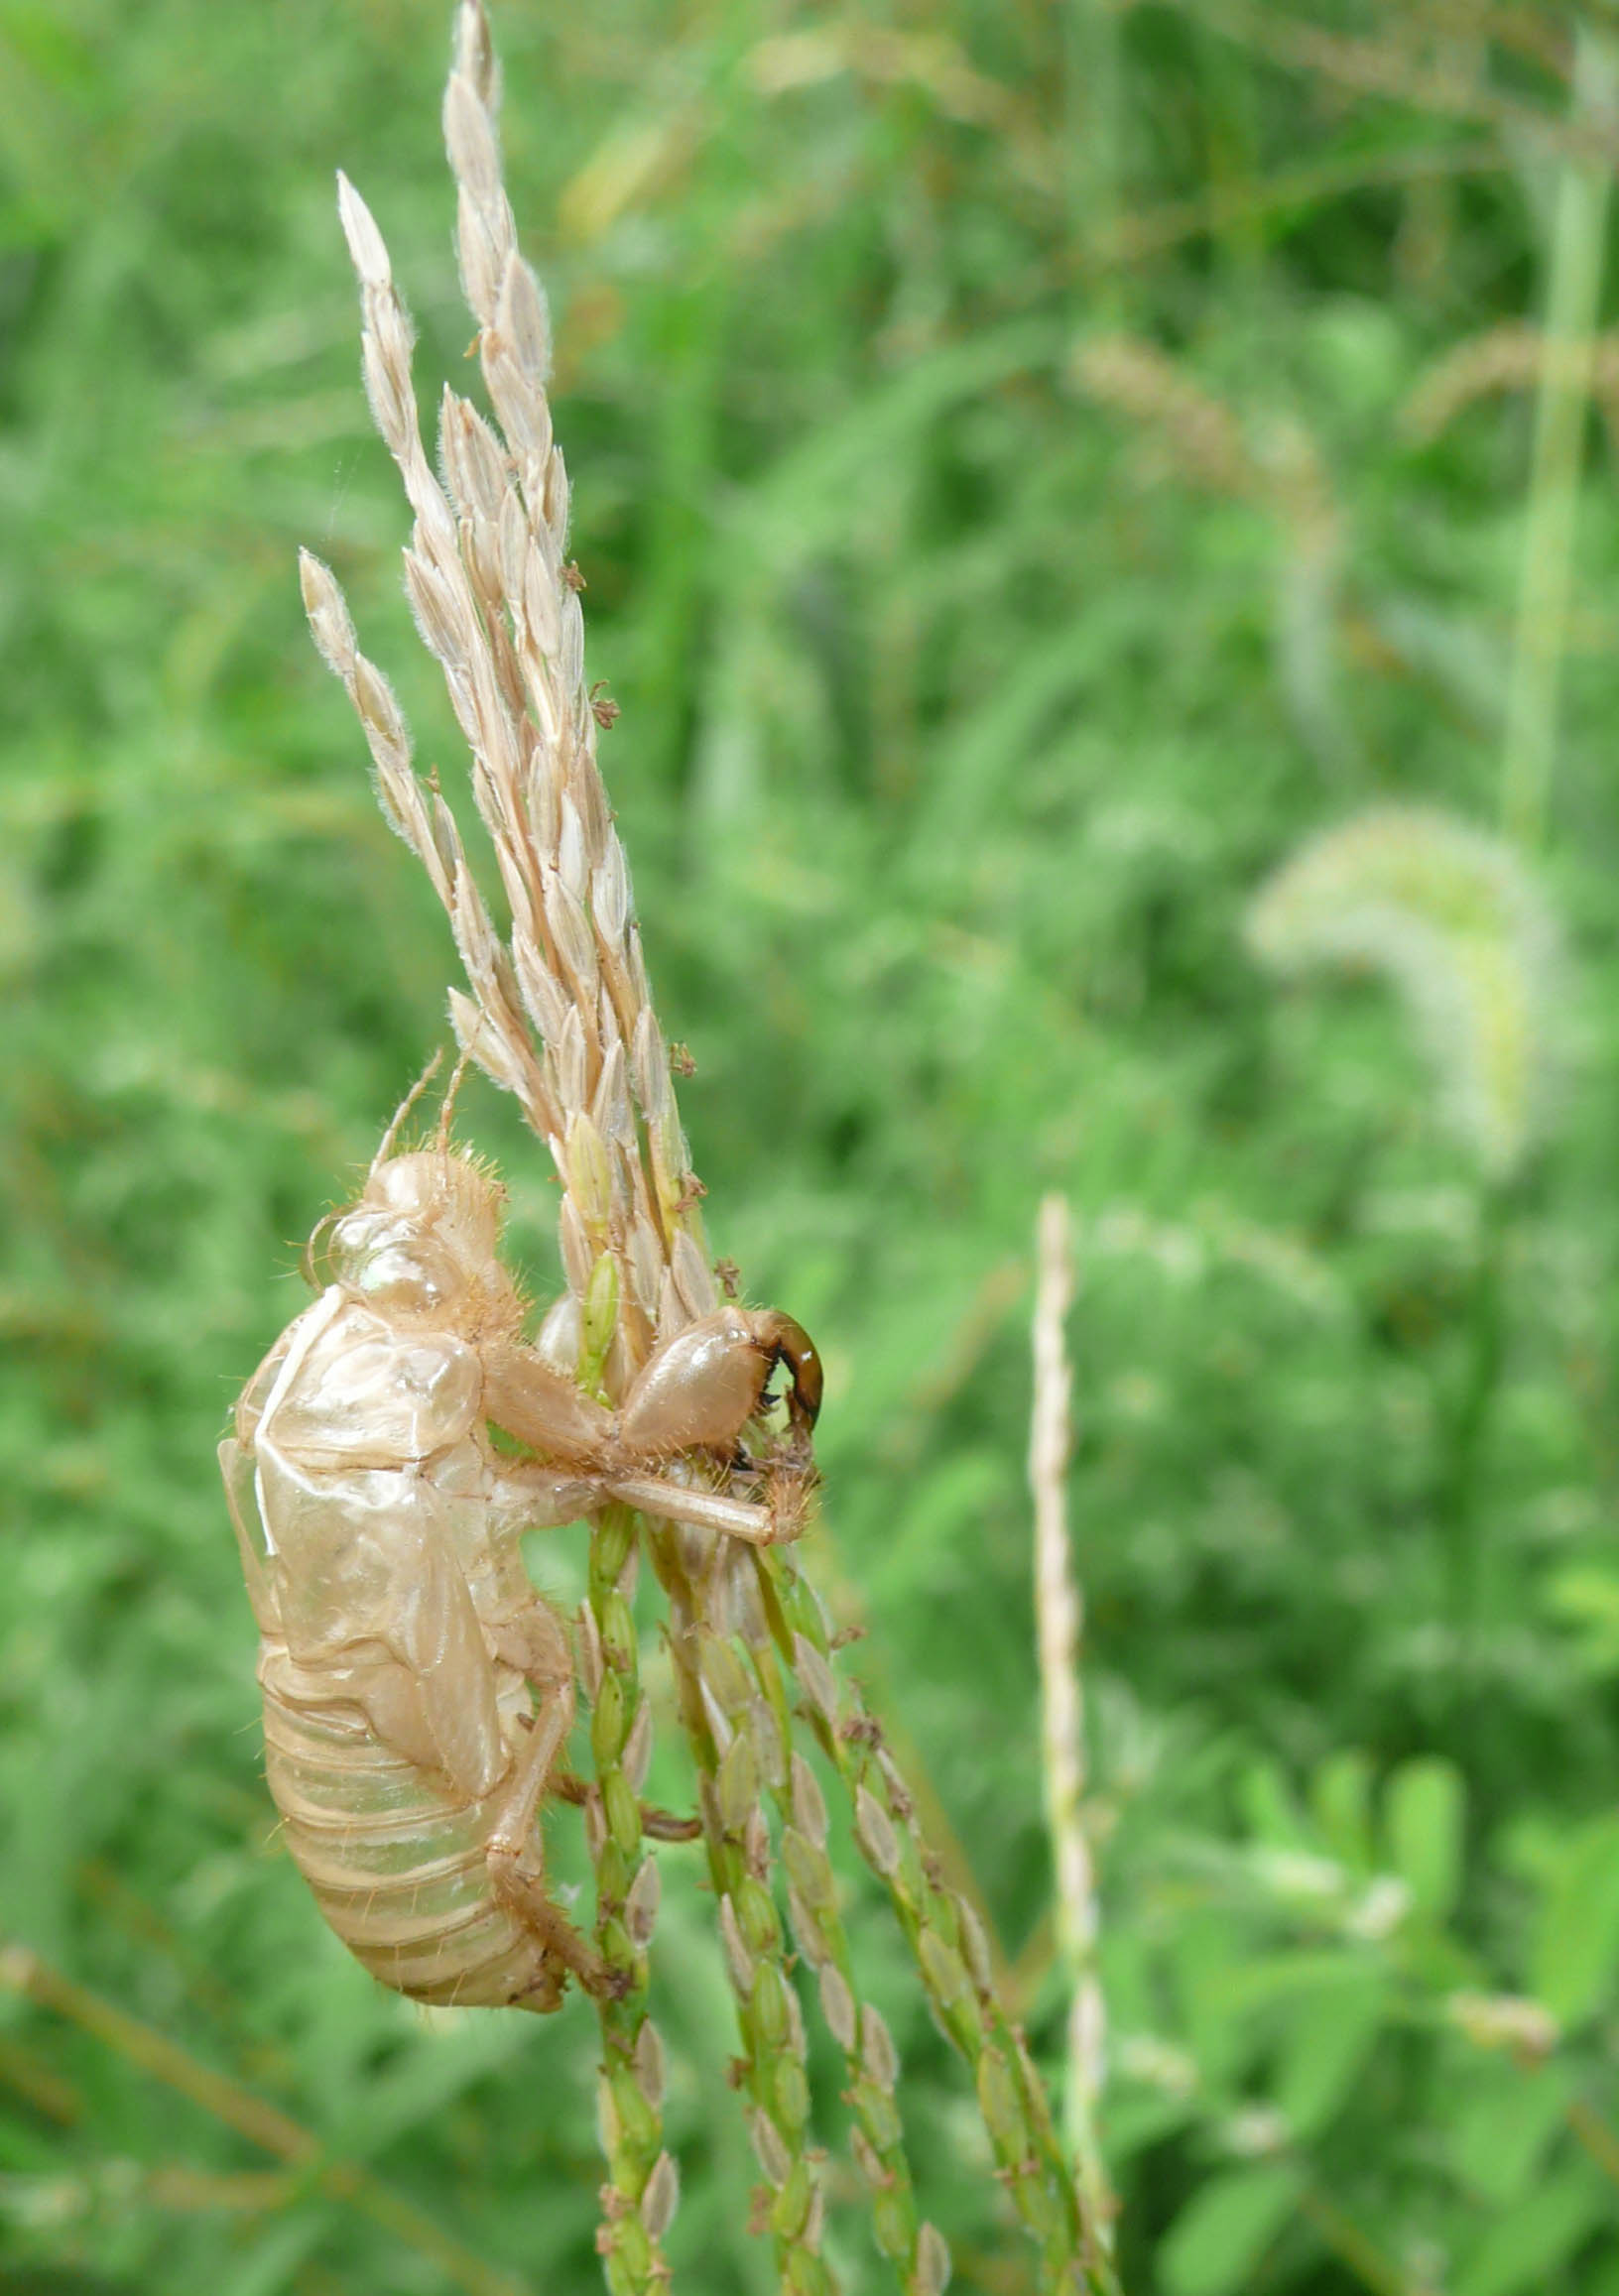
[(396, 1863)]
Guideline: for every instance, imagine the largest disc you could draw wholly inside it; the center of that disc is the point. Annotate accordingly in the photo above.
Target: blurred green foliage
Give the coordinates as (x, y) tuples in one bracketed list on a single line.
[(1006, 541)]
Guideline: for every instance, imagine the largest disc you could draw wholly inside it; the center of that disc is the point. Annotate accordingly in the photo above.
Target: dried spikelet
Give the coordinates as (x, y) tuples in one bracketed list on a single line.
[(496, 602), (1198, 432), (1278, 468), (1514, 357), (1449, 917), (1299, 498), (1208, 445), (931, 60)]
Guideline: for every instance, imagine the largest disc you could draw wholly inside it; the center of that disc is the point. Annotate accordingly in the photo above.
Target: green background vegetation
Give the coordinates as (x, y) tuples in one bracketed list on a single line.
[(967, 701)]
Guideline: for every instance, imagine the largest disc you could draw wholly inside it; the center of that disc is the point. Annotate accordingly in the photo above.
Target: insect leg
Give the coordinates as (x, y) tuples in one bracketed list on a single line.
[(657, 1824), (768, 1525), (549, 1412), (513, 1850)]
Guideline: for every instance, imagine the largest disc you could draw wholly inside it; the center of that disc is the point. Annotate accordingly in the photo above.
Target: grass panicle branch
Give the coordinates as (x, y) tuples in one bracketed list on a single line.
[(741, 1748), (642, 2185), (915, 2247), (946, 1942)]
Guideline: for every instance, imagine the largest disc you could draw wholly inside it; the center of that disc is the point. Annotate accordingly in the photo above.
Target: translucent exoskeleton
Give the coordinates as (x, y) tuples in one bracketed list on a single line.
[(418, 1692)]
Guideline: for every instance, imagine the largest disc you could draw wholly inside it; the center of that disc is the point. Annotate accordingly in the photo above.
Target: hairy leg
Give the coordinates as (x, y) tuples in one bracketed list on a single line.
[(784, 1516)]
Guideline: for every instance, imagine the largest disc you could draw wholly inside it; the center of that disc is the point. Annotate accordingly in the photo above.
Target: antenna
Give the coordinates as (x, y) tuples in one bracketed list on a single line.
[(441, 1139), (403, 1109)]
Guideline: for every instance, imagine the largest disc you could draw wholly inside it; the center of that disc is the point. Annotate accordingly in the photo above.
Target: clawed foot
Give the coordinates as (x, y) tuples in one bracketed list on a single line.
[(658, 1825)]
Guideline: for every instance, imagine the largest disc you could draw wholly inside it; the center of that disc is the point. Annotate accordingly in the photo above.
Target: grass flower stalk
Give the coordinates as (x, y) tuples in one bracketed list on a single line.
[(1452, 919), (1059, 1618), (558, 1012)]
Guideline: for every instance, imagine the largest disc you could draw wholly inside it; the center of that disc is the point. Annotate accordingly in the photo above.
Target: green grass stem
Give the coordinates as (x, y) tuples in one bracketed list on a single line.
[(1572, 309)]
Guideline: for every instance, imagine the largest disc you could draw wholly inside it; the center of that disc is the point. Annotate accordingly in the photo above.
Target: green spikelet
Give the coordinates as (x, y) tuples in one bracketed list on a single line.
[(1452, 920)]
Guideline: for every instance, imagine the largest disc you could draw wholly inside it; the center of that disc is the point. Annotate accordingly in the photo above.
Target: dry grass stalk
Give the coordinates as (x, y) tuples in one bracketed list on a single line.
[(561, 1015), (1060, 1618), (1149, 231), (1538, 37), (931, 60)]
